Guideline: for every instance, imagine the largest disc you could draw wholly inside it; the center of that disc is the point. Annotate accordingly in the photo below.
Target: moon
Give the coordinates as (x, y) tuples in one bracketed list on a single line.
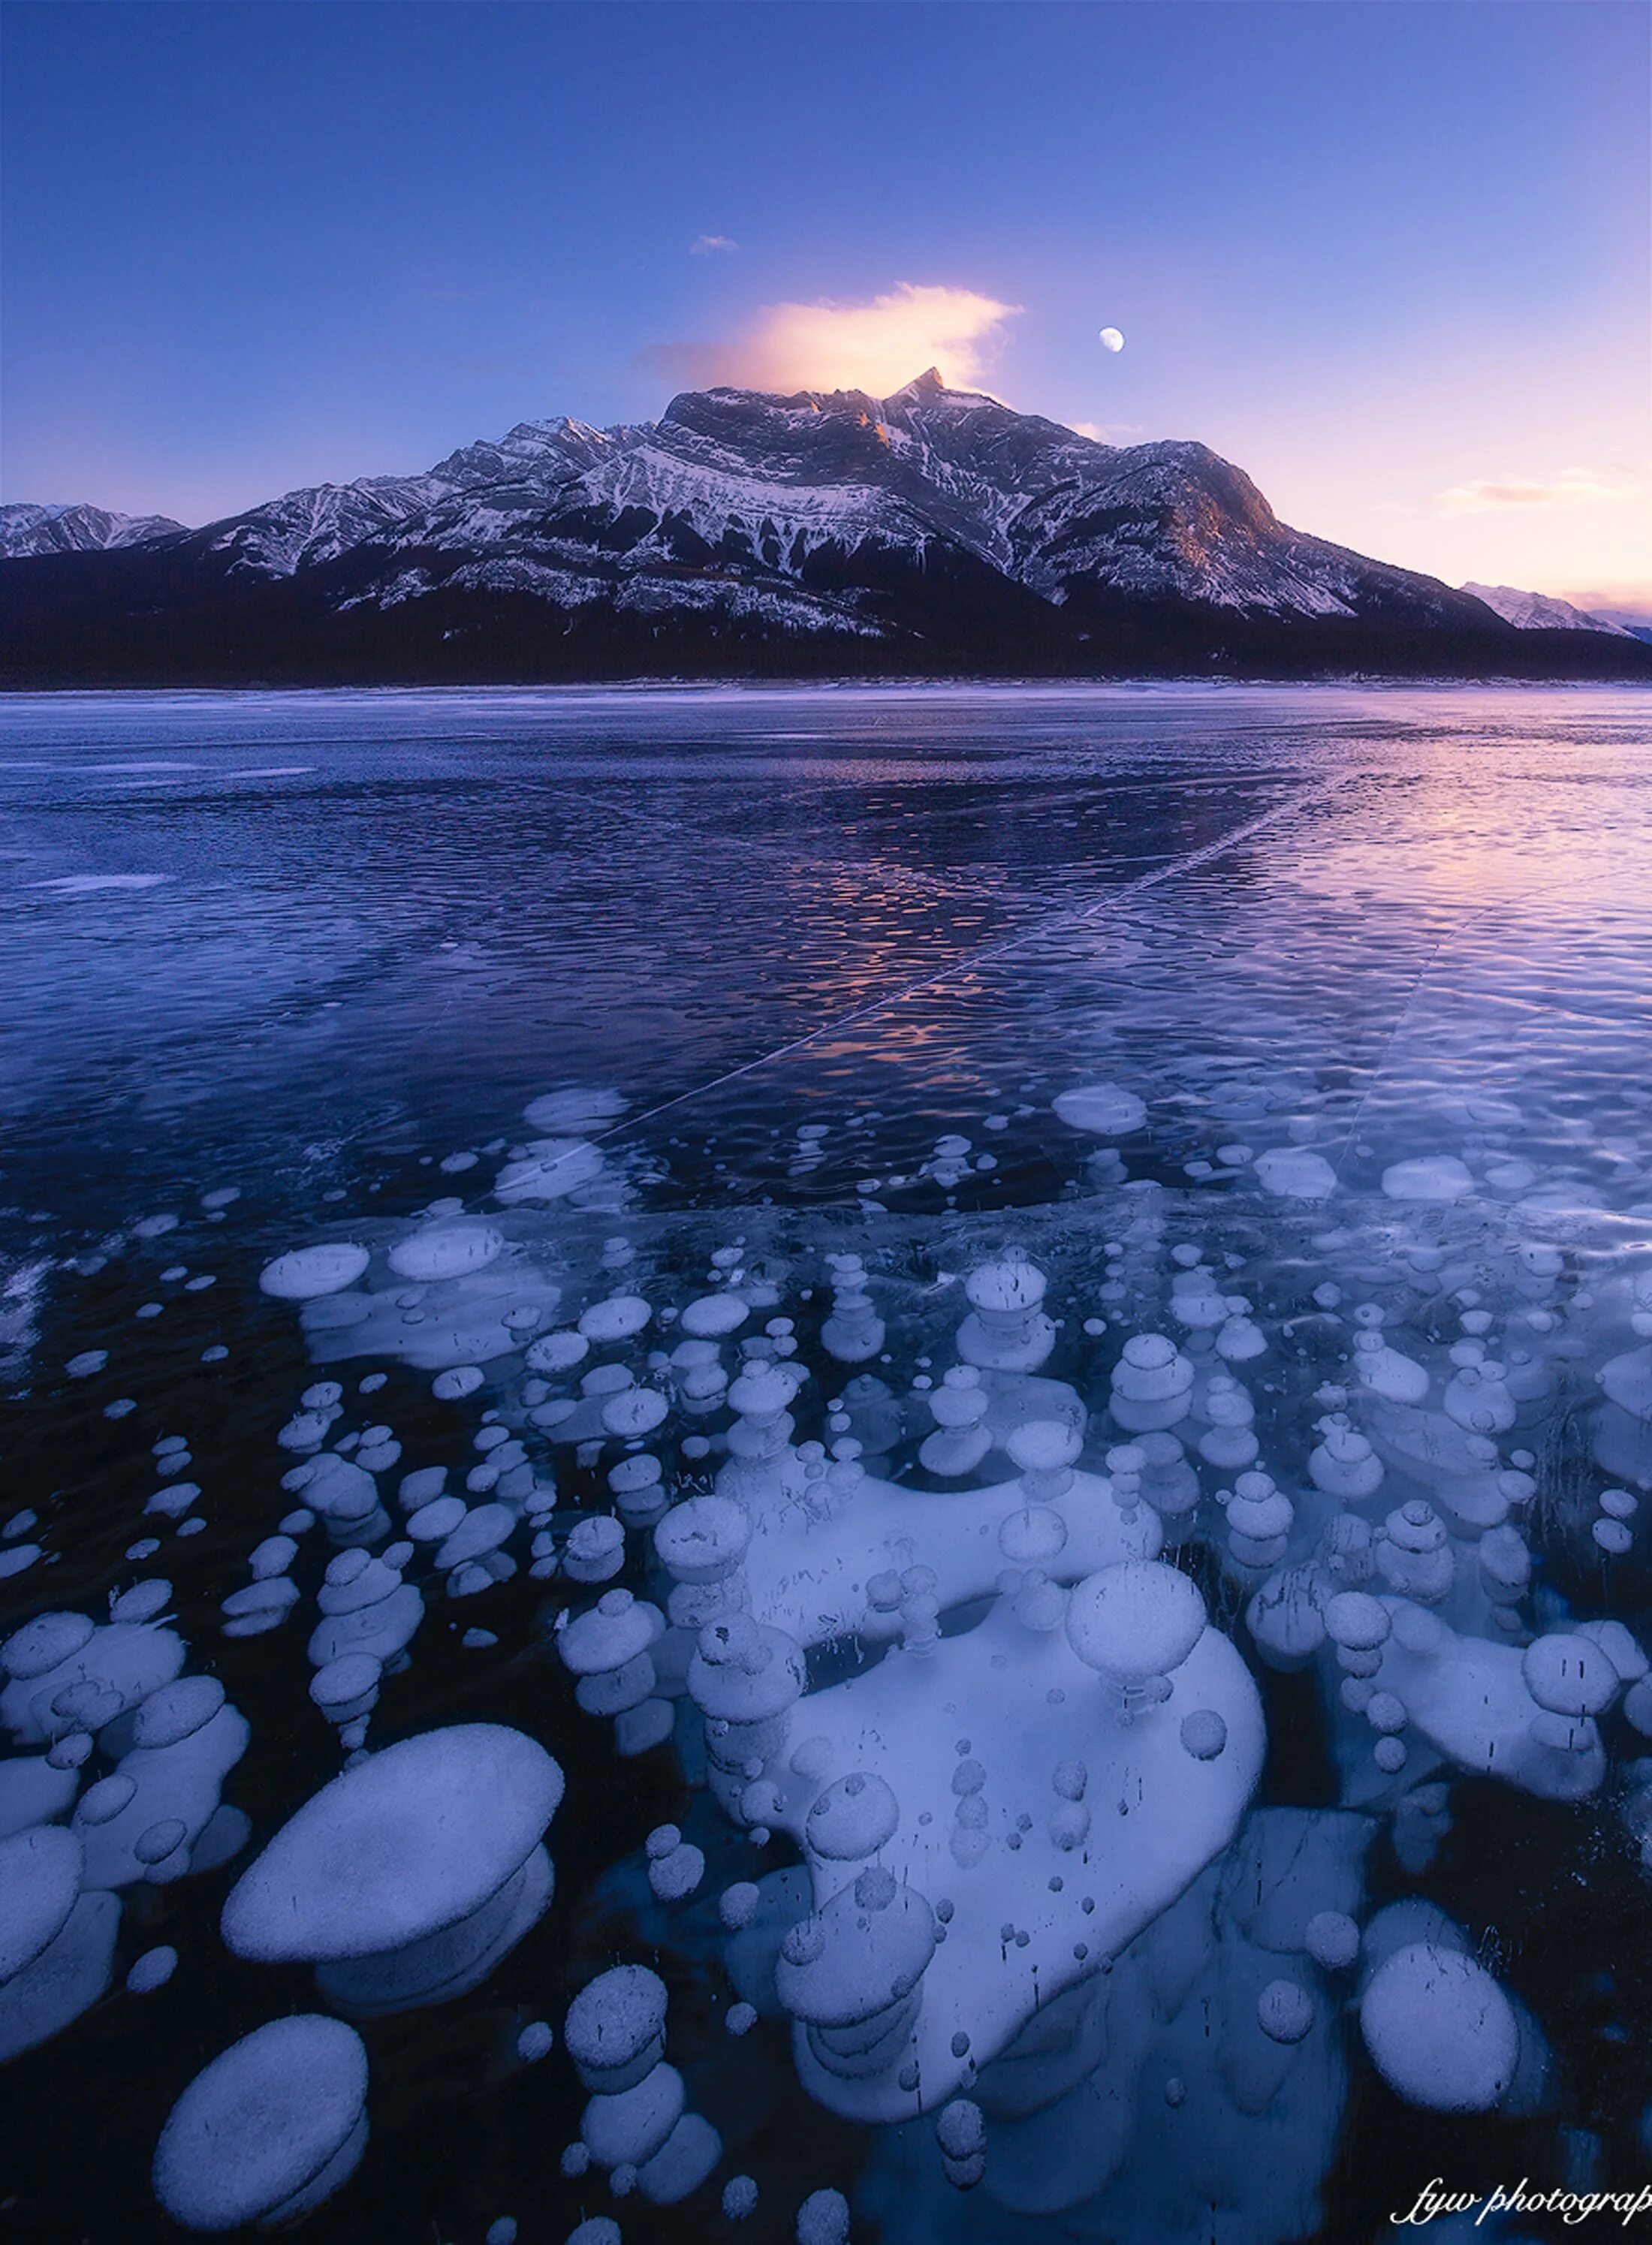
[(1112, 339)]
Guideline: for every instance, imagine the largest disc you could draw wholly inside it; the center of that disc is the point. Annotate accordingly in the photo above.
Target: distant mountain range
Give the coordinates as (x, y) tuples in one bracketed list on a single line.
[(1541, 612), (931, 533)]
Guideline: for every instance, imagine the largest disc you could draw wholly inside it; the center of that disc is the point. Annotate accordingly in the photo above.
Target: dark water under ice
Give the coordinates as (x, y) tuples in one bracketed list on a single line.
[(325, 949)]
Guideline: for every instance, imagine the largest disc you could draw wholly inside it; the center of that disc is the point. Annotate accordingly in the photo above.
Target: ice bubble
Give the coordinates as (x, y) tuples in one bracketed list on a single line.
[(1135, 1621), (1332, 1939), (823, 2219), (549, 1170), (89, 1361), (36, 1790), (1428, 1178), (1294, 1173), (1204, 1734), (40, 1873), (306, 1273), (65, 1979), (740, 2018), (627, 2127), (483, 1527), (177, 1710), (558, 1352), (502, 2232), (615, 2032), (599, 2230), (347, 1688), (453, 1247), (595, 1550), (637, 1411), (1569, 1675), (855, 1965), (152, 1969), (617, 1629), (703, 1539), (45, 1644), (713, 1315), (271, 2128), (853, 1818), (676, 1876), (412, 1841), (740, 2198), (453, 1385), (535, 2042), (738, 1904), (1106, 1110), (619, 1318), (682, 2163), (1285, 2011), (1441, 2031), (1151, 1385)]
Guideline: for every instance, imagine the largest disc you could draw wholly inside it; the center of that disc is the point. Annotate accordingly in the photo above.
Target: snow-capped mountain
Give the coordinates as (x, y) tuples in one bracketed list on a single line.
[(76, 529), (1541, 611), (934, 530)]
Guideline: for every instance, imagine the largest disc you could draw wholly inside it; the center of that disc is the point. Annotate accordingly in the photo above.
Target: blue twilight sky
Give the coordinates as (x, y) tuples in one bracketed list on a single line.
[(1390, 256)]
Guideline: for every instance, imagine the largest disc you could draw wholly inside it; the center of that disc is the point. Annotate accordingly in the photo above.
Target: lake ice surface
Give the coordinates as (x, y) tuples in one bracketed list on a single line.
[(981, 1149)]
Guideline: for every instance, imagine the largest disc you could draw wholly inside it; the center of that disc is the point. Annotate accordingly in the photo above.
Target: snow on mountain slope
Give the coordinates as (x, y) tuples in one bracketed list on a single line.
[(77, 529), (822, 512), (1541, 611)]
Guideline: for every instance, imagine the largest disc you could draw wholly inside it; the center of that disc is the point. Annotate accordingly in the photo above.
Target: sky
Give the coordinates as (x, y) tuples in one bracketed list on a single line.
[(1393, 257)]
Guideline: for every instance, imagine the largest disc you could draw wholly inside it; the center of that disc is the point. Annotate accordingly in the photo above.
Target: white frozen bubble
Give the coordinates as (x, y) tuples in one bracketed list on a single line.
[(40, 1873), (628, 2127), (579, 1107), (1136, 1621), (271, 2128), (1441, 2031), (307, 1273), (85, 884), (34, 1789), (1106, 1110), (412, 1841), (536, 2041), (618, 1318), (65, 1979), (558, 1352), (1296, 1173), (682, 2162), (823, 2219), (459, 1381), (453, 1247), (151, 1971), (1333, 1939), (615, 2030), (713, 1316), (1285, 2011), (853, 1818), (1428, 1178), (550, 1169)]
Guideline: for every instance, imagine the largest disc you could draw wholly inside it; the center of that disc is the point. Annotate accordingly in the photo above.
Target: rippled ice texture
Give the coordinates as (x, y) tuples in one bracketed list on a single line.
[(1292, 1026)]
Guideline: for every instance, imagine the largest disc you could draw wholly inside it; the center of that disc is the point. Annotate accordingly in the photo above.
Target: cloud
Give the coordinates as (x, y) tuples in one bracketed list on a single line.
[(1576, 487), (709, 245), (875, 345), (1107, 432)]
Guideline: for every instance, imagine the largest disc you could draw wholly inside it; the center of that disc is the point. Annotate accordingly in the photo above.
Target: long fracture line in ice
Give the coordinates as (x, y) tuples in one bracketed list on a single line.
[(1080, 915)]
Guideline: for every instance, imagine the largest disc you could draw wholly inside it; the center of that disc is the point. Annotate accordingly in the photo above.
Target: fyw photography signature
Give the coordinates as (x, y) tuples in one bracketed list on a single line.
[(1572, 2205)]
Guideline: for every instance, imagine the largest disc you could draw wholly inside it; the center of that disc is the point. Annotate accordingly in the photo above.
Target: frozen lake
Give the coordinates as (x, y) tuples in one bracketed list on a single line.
[(957, 1136)]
